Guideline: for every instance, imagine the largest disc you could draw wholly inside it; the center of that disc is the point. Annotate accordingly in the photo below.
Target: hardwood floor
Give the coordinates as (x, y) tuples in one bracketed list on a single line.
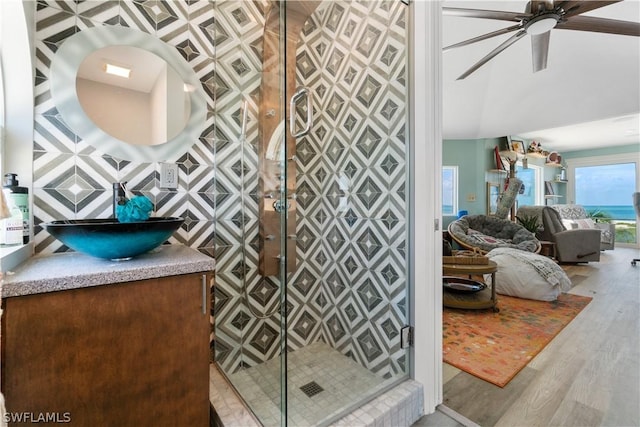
[(589, 375)]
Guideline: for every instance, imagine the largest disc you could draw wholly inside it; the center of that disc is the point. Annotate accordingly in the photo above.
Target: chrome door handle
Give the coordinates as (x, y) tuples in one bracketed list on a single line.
[(243, 126), (300, 92)]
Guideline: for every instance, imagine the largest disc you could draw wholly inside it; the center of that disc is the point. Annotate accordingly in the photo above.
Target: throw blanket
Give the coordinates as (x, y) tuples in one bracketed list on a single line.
[(550, 271)]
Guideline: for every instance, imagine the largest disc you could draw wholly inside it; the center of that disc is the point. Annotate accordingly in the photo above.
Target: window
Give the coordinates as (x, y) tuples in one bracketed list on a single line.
[(449, 190), (605, 191), (604, 186), (532, 191)]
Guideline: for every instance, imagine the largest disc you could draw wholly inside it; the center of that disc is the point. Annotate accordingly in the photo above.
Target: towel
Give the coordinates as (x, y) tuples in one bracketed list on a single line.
[(138, 208)]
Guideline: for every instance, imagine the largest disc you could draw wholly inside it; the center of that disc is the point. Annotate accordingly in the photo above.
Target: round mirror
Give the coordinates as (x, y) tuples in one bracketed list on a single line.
[(101, 112), (133, 95)]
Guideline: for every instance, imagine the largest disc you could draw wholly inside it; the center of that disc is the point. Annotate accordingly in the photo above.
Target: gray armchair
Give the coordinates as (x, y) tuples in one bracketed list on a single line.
[(575, 245), (574, 213)]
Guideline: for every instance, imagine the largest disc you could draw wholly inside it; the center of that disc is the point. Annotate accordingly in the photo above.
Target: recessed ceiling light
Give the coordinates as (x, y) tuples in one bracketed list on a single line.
[(117, 70)]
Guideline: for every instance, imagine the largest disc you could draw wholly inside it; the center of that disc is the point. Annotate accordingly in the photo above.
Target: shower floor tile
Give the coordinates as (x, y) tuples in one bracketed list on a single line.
[(344, 383)]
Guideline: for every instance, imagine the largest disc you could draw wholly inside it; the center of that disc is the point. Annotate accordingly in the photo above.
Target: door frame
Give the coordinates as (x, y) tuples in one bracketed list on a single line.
[(425, 274)]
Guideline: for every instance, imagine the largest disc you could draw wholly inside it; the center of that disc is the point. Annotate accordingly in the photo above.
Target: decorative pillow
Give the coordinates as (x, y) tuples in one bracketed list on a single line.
[(585, 223), (569, 224), (527, 275)]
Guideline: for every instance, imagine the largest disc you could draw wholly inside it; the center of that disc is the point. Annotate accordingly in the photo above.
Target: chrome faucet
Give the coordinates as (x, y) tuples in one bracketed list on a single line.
[(119, 196)]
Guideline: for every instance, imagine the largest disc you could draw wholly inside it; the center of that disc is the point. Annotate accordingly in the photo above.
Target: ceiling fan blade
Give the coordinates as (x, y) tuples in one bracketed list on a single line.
[(540, 50), (485, 14), (511, 40), (483, 37), (576, 7), (600, 25)]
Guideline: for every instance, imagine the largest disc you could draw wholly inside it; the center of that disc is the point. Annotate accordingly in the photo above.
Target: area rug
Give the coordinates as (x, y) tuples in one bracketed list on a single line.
[(496, 346)]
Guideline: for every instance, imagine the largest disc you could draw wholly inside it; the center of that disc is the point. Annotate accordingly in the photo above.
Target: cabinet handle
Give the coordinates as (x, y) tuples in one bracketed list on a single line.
[(204, 294)]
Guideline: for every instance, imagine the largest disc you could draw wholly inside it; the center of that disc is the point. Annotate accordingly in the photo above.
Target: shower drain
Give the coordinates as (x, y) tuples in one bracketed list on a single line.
[(311, 389)]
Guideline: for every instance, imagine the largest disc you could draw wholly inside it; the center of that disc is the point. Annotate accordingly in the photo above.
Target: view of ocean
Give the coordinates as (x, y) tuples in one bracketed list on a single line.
[(615, 211)]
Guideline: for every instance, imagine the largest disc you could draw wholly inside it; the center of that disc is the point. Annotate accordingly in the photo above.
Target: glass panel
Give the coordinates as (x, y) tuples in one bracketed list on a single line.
[(250, 187), (605, 192), (347, 299), (319, 229)]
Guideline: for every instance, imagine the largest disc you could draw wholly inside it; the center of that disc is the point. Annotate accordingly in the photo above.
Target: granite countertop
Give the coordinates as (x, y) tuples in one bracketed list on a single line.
[(71, 270)]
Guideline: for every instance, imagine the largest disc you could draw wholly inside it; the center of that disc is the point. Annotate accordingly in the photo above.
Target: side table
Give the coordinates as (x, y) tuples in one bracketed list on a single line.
[(548, 249), (476, 300)]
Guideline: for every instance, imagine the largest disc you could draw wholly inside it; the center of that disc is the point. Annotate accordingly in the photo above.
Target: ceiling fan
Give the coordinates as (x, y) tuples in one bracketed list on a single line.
[(538, 19)]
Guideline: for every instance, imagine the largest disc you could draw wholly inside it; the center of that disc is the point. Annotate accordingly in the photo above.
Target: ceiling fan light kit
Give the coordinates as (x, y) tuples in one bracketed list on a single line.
[(541, 24), (539, 18)]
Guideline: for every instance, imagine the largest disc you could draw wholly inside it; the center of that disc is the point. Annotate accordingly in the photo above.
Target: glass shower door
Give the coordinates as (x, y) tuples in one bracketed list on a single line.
[(347, 298), (312, 259), (252, 205)]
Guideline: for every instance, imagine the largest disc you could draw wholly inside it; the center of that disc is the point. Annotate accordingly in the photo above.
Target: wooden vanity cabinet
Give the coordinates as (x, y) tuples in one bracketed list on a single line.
[(129, 354)]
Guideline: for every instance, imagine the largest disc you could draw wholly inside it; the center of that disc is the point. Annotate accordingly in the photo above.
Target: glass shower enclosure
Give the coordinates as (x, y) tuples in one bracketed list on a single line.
[(311, 227)]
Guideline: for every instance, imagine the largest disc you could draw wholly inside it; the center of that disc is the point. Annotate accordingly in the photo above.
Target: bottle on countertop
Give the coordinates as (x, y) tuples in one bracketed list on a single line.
[(10, 224), (18, 198)]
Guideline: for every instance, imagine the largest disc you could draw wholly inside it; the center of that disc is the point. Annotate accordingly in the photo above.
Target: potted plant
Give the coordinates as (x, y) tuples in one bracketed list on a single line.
[(530, 222), (599, 216)]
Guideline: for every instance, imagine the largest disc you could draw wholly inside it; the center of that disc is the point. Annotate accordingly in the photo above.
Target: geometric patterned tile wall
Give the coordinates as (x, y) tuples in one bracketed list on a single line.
[(71, 178), (353, 180), (350, 287), (243, 337)]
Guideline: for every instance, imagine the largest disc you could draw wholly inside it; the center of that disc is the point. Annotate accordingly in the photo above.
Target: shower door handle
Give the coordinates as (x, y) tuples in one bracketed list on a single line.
[(300, 92), (243, 126)]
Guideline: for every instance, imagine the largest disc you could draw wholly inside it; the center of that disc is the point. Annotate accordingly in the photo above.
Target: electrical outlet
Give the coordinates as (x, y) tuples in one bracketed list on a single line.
[(471, 197), (168, 175)]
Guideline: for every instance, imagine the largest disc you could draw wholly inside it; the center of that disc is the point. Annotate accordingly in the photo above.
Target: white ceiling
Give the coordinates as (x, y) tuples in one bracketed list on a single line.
[(588, 97), (145, 67)]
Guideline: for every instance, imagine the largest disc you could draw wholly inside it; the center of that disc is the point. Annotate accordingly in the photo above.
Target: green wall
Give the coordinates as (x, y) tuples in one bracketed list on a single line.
[(474, 158), (620, 149)]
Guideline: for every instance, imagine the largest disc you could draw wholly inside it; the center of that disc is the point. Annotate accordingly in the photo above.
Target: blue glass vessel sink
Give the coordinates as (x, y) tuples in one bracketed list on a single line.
[(110, 239)]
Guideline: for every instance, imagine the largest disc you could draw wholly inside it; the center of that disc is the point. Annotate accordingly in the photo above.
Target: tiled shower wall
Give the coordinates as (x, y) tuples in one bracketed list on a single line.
[(353, 178), (350, 287)]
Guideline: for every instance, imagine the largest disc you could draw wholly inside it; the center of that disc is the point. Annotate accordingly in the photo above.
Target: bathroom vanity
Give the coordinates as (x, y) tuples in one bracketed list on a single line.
[(109, 343)]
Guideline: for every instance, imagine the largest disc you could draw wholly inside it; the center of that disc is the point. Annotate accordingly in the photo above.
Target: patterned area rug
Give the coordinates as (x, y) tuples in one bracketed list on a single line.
[(496, 346)]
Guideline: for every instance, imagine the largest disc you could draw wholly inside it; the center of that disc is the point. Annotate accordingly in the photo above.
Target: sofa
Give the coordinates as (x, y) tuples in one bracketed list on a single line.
[(573, 217), (485, 233)]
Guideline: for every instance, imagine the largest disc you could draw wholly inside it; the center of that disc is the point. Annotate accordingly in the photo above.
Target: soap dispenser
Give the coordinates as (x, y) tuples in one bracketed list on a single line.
[(10, 224), (18, 198)]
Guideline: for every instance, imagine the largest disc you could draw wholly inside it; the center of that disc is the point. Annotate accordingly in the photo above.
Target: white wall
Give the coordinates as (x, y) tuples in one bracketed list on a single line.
[(17, 59), (123, 113)]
